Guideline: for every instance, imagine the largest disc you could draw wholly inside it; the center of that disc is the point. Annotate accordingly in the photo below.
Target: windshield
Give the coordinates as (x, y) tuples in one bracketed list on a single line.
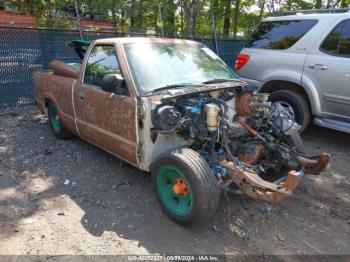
[(156, 65)]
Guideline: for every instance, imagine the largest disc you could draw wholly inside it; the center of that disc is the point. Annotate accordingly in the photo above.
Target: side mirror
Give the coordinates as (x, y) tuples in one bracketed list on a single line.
[(112, 82)]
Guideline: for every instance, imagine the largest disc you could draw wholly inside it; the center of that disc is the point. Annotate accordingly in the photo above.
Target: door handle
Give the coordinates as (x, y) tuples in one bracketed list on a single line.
[(82, 96), (318, 67)]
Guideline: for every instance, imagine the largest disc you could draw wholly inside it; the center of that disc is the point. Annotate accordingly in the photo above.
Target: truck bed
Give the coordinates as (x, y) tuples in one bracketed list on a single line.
[(52, 86)]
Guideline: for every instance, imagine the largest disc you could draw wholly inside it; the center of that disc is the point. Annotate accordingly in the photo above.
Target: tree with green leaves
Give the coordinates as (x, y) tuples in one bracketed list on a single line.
[(185, 18)]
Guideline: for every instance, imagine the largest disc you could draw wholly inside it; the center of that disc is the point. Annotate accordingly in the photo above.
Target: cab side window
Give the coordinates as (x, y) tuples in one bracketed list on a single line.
[(338, 41), (102, 61)]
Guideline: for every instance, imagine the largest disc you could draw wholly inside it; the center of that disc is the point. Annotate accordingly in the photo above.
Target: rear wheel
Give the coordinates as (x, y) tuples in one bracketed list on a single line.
[(295, 103), (185, 186), (56, 124)]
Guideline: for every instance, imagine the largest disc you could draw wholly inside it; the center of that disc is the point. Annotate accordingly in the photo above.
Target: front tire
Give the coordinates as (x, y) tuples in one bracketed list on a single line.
[(295, 102), (185, 187), (56, 124)]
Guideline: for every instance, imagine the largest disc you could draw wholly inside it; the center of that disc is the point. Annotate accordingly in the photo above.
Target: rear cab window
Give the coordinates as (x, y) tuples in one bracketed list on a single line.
[(338, 41), (279, 35)]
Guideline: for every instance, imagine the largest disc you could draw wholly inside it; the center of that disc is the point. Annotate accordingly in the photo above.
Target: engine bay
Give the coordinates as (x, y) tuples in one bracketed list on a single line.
[(239, 132)]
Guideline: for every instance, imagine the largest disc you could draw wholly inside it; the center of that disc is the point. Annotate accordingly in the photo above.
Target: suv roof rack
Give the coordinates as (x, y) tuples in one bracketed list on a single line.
[(313, 11)]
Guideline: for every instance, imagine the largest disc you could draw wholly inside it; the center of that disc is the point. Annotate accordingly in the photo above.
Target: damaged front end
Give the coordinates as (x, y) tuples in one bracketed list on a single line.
[(252, 185), (252, 146)]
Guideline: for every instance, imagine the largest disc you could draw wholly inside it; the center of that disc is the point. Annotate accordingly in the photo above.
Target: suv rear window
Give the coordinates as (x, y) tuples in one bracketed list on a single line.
[(338, 41), (279, 34)]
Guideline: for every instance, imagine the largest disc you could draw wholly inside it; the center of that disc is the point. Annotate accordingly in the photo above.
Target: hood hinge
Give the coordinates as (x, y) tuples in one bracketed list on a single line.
[(139, 151), (140, 111)]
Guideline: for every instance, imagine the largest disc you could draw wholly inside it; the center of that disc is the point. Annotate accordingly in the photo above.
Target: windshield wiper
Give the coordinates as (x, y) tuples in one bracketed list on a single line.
[(167, 87), (219, 80), (98, 61)]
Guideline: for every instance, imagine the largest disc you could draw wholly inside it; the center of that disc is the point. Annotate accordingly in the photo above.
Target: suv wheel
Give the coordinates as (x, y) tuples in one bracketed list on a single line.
[(295, 103)]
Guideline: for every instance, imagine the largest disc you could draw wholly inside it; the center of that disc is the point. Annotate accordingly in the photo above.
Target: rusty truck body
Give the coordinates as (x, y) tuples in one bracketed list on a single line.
[(173, 108)]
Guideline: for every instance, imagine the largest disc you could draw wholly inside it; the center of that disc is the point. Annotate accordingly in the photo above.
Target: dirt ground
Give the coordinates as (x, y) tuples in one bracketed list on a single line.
[(62, 197)]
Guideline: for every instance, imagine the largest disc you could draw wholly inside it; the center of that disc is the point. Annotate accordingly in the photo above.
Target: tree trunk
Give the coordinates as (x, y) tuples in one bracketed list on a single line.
[(114, 13), (122, 22), (227, 14), (122, 16), (261, 4), (191, 23), (235, 18), (271, 6), (170, 18), (132, 17), (182, 18), (155, 21), (318, 4), (191, 12)]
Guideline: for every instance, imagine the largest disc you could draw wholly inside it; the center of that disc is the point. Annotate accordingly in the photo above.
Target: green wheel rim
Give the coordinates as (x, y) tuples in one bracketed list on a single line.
[(56, 124), (176, 204)]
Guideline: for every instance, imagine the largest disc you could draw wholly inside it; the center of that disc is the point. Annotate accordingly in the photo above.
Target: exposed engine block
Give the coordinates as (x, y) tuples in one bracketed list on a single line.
[(234, 125)]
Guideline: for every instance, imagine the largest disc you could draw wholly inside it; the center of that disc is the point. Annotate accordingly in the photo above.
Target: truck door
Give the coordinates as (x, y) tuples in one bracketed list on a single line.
[(328, 66), (106, 119)]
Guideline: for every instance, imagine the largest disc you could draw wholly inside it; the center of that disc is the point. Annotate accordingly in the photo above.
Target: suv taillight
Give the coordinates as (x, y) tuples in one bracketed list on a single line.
[(241, 60)]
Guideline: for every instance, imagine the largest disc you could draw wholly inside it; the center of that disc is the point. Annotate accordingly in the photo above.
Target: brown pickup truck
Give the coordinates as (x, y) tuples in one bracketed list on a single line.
[(172, 107)]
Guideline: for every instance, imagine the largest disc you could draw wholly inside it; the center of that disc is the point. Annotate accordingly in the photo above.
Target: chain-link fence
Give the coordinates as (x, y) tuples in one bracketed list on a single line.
[(25, 50)]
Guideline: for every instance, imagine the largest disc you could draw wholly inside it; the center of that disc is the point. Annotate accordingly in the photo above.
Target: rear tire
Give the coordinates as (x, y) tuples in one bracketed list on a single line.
[(56, 124), (297, 103), (199, 201)]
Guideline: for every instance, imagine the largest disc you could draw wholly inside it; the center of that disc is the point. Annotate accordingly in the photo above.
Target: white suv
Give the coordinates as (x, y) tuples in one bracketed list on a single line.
[(303, 60)]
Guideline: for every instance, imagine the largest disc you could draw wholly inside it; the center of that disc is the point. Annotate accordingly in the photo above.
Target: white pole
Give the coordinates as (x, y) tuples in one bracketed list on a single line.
[(78, 19), (214, 32)]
